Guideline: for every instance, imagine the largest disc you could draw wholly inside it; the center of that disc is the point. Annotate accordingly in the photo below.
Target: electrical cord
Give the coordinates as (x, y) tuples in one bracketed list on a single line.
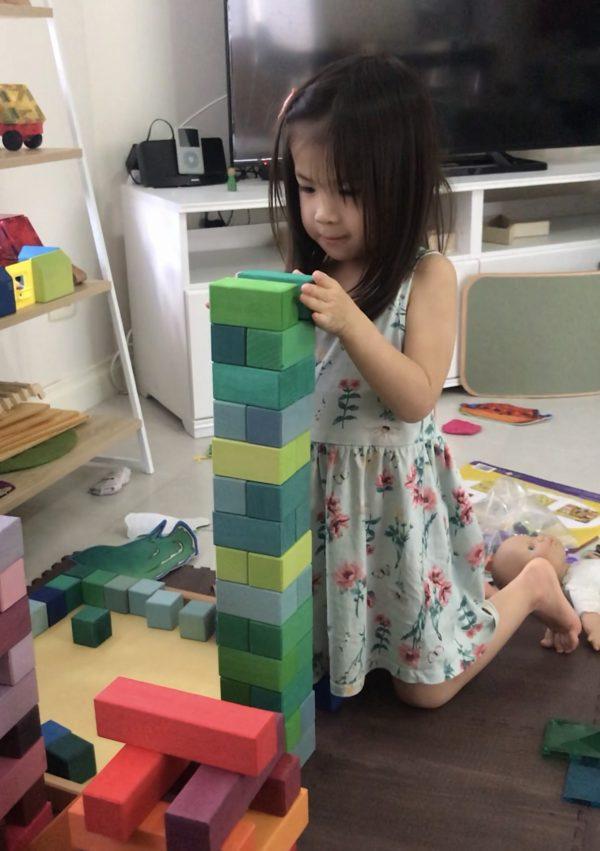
[(111, 370)]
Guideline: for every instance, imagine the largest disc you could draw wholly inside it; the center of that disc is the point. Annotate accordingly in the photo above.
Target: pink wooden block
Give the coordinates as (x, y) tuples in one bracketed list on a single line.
[(17, 662), (19, 775), (16, 701), (18, 837), (12, 584), (11, 541), (15, 624)]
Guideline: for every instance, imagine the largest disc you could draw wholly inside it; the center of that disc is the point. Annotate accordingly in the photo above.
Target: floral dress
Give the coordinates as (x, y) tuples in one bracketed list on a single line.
[(398, 557)]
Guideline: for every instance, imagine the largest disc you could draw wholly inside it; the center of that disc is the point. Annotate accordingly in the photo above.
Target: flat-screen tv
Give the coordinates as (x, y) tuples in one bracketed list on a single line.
[(505, 75)]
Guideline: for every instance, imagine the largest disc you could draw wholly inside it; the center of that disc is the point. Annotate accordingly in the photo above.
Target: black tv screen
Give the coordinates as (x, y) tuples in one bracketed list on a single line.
[(505, 75)]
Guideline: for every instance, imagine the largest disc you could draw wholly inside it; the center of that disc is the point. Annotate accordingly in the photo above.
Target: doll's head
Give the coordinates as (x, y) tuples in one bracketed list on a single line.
[(515, 552), (366, 131)]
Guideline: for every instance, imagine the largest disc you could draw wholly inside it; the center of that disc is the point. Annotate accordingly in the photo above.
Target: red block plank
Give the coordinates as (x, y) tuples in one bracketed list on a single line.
[(281, 788), (119, 798), (18, 775), (191, 726), (15, 624)]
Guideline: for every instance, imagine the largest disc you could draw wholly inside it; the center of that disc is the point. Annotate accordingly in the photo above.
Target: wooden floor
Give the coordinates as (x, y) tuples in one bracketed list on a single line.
[(467, 776)]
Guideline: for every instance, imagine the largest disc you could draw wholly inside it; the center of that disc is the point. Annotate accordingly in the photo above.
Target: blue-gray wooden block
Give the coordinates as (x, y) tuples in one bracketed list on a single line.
[(256, 604), (276, 428), (306, 746), (304, 585), (269, 537), (307, 712), (274, 502), (140, 593), (228, 344), (229, 495), (303, 517), (230, 420)]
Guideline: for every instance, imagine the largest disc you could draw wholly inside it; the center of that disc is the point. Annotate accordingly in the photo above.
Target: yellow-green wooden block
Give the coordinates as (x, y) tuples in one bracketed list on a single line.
[(276, 573), (232, 565), (270, 464), (271, 305), (273, 674), (293, 730)]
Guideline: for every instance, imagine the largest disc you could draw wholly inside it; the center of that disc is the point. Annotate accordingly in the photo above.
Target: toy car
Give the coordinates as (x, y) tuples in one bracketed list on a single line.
[(21, 119)]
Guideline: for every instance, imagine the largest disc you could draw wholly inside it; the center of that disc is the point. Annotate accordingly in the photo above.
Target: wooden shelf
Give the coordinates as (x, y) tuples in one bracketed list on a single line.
[(93, 438), (86, 290), (10, 10), (14, 159)]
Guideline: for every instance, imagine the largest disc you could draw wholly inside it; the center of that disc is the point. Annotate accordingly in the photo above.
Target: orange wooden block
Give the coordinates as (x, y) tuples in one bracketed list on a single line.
[(119, 798), (192, 726), (56, 835), (150, 835), (274, 833), (241, 838)]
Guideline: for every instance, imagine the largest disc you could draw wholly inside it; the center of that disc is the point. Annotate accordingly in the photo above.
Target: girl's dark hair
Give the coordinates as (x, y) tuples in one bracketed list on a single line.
[(378, 126)]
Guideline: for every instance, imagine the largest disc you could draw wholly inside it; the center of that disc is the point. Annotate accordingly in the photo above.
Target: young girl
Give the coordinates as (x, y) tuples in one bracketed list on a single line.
[(398, 557)]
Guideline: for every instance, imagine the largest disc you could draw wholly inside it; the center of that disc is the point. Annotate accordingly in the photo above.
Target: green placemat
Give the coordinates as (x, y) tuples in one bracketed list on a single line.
[(43, 453)]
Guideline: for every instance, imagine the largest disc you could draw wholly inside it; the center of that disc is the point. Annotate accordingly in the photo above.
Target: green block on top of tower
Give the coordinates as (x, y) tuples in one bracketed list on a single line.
[(270, 305), (296, 278)]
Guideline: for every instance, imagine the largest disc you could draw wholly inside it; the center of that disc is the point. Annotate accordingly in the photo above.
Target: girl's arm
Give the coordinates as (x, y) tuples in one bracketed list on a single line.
[(409, 383)]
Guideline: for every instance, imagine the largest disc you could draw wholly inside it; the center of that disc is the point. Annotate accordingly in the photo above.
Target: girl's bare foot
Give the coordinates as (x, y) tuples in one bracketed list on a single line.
[(552, 607)]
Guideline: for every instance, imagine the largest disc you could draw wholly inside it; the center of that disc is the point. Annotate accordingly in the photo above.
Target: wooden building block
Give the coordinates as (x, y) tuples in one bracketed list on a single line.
[(274, 502), (197, 620), (125, 792), (272, 674), (307, 711), (263, 388), (271, 537), (140, 593), (277, 641), (254, 304), (11, 541), (39, 617), (17, 661), (80, 571), (228, 344), (229, 420), (16, 701), (92, 587), (12, 584), (235, 692), (292, 730), (149, 836), (296, 278), (54, 836), (71, 757), (52, 730), (192, 726), (232, 565), (278, 573), (54, 599), (162, 609), (27, 807), (19, 837), (273, 607), (281, 788), (52, 275), (18, 775), (260, 463), (275, 833), (116, 593), (279, 349), (276, 428), (91, 626), (229, 495), (15, 624), (233, 631), (289, 699), (71, 587), (241, 838), (25, 733), (306, 746)]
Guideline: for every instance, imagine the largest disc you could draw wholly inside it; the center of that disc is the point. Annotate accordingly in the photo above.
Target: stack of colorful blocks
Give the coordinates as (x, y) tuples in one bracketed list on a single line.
[(244, 795), (263, 379), (23, 803)]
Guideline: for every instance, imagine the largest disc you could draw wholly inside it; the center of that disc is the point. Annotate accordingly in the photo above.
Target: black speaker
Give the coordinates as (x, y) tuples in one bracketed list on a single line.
[(156, 160)]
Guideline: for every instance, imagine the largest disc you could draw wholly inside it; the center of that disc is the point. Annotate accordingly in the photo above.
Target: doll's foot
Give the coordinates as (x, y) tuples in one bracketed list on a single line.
[(552, 607)]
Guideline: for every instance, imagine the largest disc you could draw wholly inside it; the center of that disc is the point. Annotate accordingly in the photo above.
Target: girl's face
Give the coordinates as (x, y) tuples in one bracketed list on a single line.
[(332, 216)]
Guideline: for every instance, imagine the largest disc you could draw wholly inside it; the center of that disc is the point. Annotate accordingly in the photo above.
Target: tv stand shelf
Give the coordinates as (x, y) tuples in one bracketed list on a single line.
[(171, 261)]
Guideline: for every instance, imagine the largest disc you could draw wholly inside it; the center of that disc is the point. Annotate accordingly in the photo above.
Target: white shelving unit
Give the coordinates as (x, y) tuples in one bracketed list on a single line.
[(170, 263)]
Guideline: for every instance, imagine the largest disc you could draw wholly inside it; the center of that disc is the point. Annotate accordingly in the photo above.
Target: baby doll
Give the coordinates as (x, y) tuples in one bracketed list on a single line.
[(580, 579)]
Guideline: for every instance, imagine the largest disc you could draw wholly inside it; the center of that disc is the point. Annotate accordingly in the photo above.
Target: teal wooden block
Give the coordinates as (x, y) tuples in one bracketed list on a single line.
[(307, 711), (39, 617), (279, 349), (72, 758), (92, 587), (258, 604), (296, 278), (140, 593), (303, 517), (289, 699), (229, 495), (254, 303), (269, 537), (273, 674), (197, 620), (277, 641), (228, 344), (91, 626), (306, 746), (274, 502), (162, 609), (230, 420), (235, 692), (233, 631), (116, 593), (71, 587), (263, 387), (276, 428)]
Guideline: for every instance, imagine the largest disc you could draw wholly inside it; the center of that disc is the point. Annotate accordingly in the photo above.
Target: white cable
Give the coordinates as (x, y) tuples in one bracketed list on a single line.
[(203, 109), (113, 362)]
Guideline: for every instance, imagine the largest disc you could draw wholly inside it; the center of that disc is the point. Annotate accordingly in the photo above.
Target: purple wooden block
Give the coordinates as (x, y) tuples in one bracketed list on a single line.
[(17, 662), (11, 541), (15, 624), (212, 803), (16, 701)]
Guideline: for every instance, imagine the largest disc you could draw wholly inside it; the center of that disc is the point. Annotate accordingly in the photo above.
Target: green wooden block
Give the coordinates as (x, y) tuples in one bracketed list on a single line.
[(293, 730), (277, 573), (71, 586), (162, 609), (235, 692), (264, 388), (116, 593), (273, 465), (274, 502), (52, 275), (228, 344), (71, 757), (277, 641), (254, 304), (232, 631), (296, 278), (279, 349), (91, 626), (273, 674), (289, 699), (197, 620), (92, 587), (232, 565)]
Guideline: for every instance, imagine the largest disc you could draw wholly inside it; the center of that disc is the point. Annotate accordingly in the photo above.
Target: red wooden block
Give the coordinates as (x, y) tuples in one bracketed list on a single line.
[(18, 838), (281, 788), (119, 798), (15, 624), (191, 726), (18, 775)]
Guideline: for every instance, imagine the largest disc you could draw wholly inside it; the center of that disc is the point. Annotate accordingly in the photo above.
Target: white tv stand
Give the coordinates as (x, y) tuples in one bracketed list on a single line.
[(171, 261)]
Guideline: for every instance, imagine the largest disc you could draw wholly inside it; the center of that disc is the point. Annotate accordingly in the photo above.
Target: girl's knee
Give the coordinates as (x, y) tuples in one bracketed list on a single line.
[(423, 696)]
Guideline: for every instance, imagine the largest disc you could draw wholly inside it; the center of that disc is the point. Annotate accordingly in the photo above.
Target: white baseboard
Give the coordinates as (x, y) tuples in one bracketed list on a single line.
[(83, 390)]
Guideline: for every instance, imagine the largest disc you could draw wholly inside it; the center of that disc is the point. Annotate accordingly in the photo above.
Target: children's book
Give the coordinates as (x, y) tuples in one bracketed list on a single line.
[(504, 412)]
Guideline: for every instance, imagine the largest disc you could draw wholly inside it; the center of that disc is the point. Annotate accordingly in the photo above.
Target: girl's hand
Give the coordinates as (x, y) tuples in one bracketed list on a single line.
[(332, 308)]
